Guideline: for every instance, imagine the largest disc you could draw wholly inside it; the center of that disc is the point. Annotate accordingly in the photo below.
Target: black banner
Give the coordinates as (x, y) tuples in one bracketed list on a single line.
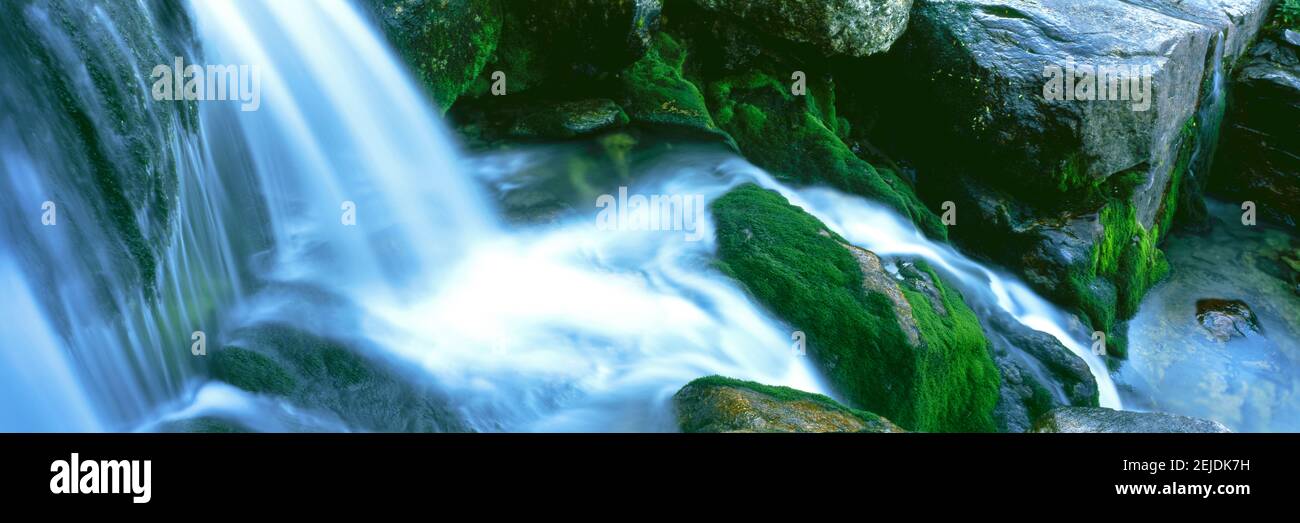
[(228, 471)]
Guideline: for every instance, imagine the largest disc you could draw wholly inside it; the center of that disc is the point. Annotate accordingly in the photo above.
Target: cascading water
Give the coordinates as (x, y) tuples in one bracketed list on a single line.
[(1209, 116), (545, 327), (109, 282)]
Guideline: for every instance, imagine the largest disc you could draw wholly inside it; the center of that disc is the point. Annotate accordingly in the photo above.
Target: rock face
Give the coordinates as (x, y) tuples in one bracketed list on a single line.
[(718, 404), (925, 365), (843, 27), (82, 125), (1226, 319), (1076, 194), (1260, 157), (1096, 419)]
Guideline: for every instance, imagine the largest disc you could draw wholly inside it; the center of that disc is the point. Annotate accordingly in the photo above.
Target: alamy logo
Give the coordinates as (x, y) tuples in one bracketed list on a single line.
[(180, 82), (659, 212), (1086, 82), (102, 477)]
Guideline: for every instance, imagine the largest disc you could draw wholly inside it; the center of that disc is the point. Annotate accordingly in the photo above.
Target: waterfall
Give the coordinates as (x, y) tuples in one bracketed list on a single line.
[(1209, 115), (553, 327), (108, 282)]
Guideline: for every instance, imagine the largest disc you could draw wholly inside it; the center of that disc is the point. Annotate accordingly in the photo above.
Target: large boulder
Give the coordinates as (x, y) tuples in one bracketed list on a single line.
[(1260, 157), (1074, 194), (907, 348), (835, 27), (718, 404), (1096, 419), (445, 42)]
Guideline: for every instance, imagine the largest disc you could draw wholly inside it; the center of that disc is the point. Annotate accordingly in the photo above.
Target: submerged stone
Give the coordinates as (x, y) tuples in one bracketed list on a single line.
[(1226, 319)]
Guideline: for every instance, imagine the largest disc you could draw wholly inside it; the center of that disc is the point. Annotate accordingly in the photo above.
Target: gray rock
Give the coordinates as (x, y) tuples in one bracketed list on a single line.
[(1096, 419), (718, 404), (1038, 372), (971, 77), (836, 27)]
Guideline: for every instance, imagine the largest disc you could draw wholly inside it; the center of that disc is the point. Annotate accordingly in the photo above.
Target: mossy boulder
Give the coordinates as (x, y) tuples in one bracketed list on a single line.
[(446, 43), (912, 351), (801, 137), (845, 27), (1097, 419), (323, 374), (656, 91), (719, 404)]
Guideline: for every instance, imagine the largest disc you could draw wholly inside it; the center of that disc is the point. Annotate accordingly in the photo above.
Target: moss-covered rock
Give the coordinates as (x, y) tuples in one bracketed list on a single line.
[(446, 43), (323, 374), (656, 92), (941, 379), (719, 404), (202, 425), (251, 371), (801, 137)]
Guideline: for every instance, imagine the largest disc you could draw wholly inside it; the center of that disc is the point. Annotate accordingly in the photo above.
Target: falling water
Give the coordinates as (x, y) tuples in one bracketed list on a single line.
[(548, 327), (1209, 116)]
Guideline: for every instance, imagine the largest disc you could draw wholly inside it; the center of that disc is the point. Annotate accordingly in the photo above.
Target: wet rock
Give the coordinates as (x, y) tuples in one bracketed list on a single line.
[(1259, 160), (77, 105), (1059, 183), (835, 27), (656, 92), (924, 367), (202, 425), (322, 374), (718, 404), (1038, 373), (569, 119), (1226, 319), (1097, 419)]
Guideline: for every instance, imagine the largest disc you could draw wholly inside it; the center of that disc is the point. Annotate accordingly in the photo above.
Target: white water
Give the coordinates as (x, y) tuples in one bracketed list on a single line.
[(555, 328)]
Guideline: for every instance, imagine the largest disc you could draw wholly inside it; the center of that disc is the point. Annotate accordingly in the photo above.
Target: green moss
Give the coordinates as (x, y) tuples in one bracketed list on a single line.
[(251, 371), (804, 274), (446, 42), (959, 359), (656, 92), (1287, 15), (784, 394), (801, 138)]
